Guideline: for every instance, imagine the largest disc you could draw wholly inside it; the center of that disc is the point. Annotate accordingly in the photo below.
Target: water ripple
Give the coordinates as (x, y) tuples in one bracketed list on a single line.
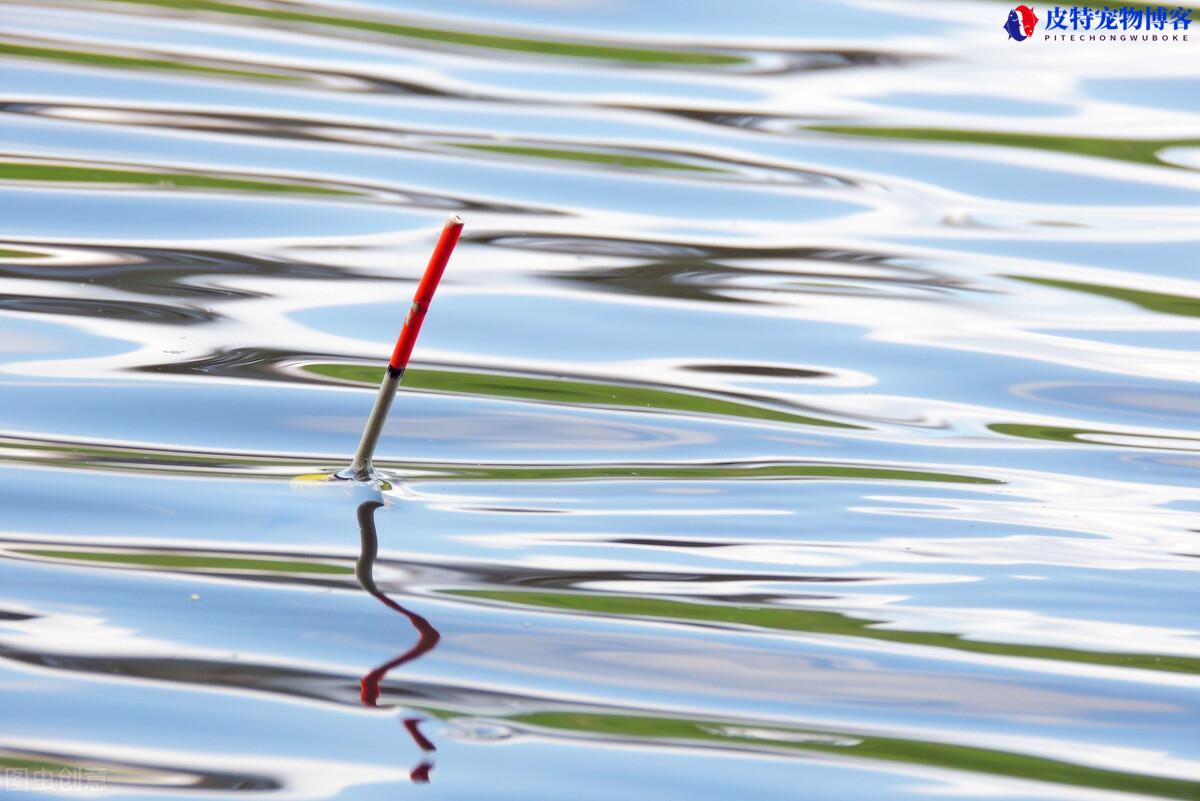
[(809, 403)]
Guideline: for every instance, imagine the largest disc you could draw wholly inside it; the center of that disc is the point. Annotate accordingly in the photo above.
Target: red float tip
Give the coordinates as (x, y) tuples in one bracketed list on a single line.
[(424, 295)]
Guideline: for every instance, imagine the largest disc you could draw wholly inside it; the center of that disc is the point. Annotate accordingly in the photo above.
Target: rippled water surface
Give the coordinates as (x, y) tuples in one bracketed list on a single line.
[(809, 411)]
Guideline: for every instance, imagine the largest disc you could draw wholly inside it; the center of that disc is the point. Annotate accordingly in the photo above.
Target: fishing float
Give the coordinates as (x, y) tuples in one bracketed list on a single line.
[(360, 468)]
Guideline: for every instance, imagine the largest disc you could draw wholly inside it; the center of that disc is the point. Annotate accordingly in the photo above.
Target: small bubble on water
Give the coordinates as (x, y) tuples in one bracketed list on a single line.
[(478, 730)]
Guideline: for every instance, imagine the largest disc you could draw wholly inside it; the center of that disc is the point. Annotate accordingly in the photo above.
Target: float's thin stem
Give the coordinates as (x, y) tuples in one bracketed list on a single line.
[(360, 469)]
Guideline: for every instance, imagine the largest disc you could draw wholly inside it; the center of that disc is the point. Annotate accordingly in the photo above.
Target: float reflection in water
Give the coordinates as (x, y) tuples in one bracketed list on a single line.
[(427, 635)]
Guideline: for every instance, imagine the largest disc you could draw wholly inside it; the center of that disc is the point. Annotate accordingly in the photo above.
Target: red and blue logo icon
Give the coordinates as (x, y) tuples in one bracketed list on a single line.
[(1021, 22)]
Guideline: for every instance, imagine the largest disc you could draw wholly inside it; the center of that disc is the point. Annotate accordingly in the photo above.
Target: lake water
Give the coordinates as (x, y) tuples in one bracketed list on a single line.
[(809, 410)]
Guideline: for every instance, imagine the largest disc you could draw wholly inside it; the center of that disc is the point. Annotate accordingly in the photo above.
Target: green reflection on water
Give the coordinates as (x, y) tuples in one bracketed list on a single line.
[(465, 38), (818, 622), (27, 171), (890, 749), (1078, 436), (128, 62), (590, 156), (1160, 302), (20, 254), (172, 560), (22, 763), (1138, 151), (563, 391)]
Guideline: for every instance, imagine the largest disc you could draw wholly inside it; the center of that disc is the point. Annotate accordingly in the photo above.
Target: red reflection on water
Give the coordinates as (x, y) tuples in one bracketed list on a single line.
[(427, 638), (420, 774)]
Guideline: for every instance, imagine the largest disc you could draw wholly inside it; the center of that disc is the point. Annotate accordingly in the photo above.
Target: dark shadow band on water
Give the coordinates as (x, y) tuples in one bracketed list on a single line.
[(177, 462)]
